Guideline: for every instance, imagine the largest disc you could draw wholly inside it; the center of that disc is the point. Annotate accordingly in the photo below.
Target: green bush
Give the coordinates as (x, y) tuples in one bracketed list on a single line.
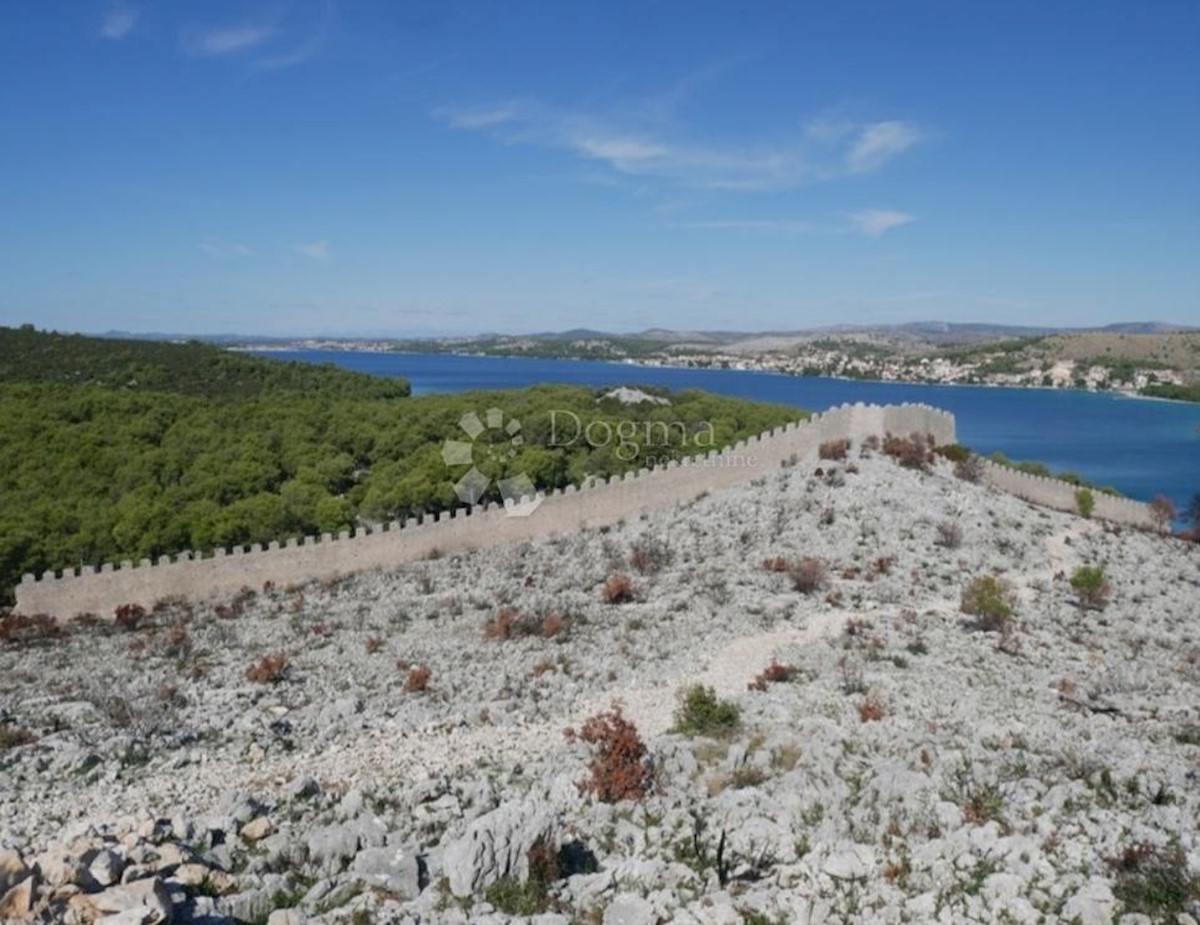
[(991, 601), (1085, 501), (701, 713), (1092, 587)]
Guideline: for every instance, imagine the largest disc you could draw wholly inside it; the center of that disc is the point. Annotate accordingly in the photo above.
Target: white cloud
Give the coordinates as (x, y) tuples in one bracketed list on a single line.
[(306, 47), (765, 226), (118, 22), (315, 250), (823, 151), (878, 143), (478, 117), (224, 41), (876, 222), (224, 250)]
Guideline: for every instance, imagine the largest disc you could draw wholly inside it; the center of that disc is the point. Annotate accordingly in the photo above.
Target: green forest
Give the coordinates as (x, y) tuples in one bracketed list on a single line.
[(97, 465)]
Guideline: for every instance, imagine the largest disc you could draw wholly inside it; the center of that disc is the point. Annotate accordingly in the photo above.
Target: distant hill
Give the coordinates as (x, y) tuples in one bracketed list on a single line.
[(193, 368)]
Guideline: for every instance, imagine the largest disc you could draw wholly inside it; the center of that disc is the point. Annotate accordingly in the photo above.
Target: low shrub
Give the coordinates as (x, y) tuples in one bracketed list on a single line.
[(618, 769), (1154, 881), (418, 679), (1085, 501), (618, 589), (809, 575), (834, 449), (774, 673), (949, 535), (701, 713), (991, 601), (24, 629), (648, 557), (871, 710), (270, 670), (969, 469), (911, 452), (1091, 586), (508, 623), (128, 616), (954, 452), (373, 645), (13, 736)]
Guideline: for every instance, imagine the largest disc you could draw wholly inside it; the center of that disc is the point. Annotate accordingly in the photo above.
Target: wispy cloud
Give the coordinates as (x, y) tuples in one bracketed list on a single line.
[(118, 22), (876, 222), (870, 222), (210, 42), (874, 145), (224, 250), (314, 250), (306, 47), (823, 151)]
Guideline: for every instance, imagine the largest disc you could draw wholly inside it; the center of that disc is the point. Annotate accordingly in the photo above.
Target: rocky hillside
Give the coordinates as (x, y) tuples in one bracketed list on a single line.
[(819, 733)]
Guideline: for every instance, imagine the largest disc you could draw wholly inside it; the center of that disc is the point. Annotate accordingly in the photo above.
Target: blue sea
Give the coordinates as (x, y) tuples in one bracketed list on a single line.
[(1142, 447)]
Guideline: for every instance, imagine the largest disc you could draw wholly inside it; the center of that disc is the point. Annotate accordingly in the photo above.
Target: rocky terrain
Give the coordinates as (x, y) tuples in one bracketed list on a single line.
[(828, 737)]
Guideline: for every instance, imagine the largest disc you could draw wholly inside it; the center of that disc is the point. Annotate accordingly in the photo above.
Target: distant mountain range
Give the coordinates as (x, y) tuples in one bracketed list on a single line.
[(941, 332)]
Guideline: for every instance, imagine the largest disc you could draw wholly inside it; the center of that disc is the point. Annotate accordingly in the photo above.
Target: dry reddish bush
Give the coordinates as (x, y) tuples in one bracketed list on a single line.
[(270, 670), (774, 673), (911, 452), (618, 589), (834, 449), (871, 710), (373, 644), (618, 767), (23, 629), (128, 616), (418, 679), (553, 625), (510, 624), (949, 535), (776, 564), (809, 575), (858, 627)]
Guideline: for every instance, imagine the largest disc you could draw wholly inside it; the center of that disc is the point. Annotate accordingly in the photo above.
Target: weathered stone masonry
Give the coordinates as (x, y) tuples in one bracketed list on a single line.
[(222, 573)]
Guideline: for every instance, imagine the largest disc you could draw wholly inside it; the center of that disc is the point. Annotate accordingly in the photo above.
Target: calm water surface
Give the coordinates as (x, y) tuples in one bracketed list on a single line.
[(1142, 447)]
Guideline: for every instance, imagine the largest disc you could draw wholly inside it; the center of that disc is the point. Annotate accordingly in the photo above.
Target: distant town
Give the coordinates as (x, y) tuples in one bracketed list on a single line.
[(1163, 364)]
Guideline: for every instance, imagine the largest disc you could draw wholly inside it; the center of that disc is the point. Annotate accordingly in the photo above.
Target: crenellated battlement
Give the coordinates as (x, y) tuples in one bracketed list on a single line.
[(222, 572)]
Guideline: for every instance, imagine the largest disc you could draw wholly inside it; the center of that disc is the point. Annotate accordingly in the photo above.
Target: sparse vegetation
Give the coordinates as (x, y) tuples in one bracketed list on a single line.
[(834, 449), (1155, 881), (809, 575), (949, 534), (618, 589), (1091, 586), (912, 452), (701, 713), (417, 679), (619, 769), (271, 669), (991, 601), (1085, 502), (12, 736)]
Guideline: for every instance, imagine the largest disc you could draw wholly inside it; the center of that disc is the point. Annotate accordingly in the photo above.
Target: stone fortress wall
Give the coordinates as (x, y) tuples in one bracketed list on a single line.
[(1060, 495), (222, 573)]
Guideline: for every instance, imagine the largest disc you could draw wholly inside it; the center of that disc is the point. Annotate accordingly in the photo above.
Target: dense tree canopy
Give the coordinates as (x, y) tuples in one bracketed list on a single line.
[(92, 473), (193, 368)]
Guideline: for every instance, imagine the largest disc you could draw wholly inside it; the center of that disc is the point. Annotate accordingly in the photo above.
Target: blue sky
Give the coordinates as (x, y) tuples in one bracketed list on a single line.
[(397, 168)]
